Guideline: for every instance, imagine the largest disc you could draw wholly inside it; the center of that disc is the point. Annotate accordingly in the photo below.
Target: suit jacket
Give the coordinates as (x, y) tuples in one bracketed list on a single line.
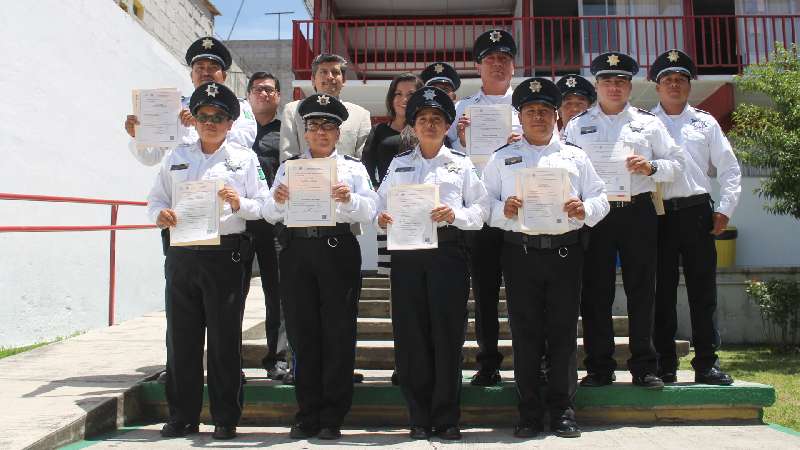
[(353, 132)]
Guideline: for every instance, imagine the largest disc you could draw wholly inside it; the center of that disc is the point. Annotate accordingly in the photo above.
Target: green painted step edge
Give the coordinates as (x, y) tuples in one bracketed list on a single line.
[(88, 442), (784, 429), (616, 395)]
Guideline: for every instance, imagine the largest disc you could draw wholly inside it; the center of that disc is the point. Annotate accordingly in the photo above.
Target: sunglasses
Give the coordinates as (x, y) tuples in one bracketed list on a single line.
[(216, 118), (326, 126)]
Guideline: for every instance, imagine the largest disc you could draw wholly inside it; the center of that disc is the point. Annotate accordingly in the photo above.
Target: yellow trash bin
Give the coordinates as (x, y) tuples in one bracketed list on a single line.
[(726, 247)]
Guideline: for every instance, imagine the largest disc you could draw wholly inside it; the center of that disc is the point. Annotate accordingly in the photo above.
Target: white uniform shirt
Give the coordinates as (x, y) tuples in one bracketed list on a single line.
[(243, 132), (636, 127), (481, 99), (349, 170), (237, 166), (460, 188), (500, 178), (352, 137), (710, 154)]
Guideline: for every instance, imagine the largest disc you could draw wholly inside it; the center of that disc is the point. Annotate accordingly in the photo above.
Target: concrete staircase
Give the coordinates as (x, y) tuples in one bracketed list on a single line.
[(377, 403)]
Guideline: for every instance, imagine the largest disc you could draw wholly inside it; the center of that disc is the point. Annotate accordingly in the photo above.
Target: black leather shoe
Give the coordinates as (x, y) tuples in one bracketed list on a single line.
[(419, 433), (223, 432), (288, 378), (566, 428), (668, 377), (277, 371), (330, 433), (358, 377), (597, 379), (395, 379), (448, 433), (713, 376), (303, 431), (162, 378), (486, 378), (178, 429), (527, 430), (648, 381)]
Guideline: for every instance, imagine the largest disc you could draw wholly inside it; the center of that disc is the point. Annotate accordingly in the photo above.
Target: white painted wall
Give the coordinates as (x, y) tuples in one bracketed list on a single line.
[(69, 68)]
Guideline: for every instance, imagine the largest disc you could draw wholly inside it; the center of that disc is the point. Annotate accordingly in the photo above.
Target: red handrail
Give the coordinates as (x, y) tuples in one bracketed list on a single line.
[(112, 228)]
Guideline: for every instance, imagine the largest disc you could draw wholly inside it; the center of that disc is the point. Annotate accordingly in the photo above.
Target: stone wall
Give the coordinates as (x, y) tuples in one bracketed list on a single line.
[(273, 56)]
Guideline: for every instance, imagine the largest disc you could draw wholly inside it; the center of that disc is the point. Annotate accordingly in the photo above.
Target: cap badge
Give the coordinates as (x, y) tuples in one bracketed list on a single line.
[(673, 56), (572, 82), (212, 90), (612, 60), (429, 95), (494, 36), (207, 43), (323, 100), (535, 86), (438, 68)]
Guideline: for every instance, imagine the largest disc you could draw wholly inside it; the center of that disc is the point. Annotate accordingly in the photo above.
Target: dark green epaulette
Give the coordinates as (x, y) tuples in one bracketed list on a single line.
[(644, 111), (351, 158)]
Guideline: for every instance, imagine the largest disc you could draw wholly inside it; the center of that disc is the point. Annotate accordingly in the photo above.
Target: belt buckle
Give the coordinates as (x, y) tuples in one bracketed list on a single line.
[(545, 241)]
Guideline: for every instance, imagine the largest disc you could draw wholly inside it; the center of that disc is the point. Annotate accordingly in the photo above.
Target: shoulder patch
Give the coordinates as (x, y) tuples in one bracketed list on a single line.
[(503, 147), (458, 153), (407, 152), (644, 111), (351, 158)]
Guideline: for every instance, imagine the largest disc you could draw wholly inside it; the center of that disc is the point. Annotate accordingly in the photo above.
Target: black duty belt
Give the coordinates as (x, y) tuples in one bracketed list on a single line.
[(449, 233), (543, 241), (226, 242), (638, 198), (340, 229), (675, 204)]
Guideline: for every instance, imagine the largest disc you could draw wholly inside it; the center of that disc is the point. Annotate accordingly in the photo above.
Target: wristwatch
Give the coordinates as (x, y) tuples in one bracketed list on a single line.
[(653, 168)]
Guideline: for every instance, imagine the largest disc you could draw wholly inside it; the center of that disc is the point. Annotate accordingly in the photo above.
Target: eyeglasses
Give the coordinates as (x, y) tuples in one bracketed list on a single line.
[(216, 118), (326, 126), (263, 90)]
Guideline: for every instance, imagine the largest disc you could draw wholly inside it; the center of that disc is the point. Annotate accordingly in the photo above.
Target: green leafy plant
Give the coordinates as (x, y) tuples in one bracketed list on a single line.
[(769, 137), (779, 302)]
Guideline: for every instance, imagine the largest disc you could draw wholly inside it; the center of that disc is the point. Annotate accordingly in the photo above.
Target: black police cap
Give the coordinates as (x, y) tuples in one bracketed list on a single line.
[(614, 64), (430, 97), (672, 61), (576, 84), (494, 41), (441, 72), (216, 95), (209, 48), (323, 106), (537, 89)]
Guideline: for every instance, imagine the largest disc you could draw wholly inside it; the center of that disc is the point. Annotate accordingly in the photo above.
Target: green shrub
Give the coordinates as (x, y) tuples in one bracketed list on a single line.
[(779, 302)]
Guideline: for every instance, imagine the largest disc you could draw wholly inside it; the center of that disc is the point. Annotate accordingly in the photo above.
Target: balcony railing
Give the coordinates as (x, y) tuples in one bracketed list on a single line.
[(379, 48)]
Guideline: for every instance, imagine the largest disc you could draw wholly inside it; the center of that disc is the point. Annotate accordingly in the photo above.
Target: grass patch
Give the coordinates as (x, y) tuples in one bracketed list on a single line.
[(11, 351), (760, 365)]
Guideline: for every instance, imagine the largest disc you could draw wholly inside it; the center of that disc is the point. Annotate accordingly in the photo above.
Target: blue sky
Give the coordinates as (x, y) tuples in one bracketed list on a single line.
[(252, 23)]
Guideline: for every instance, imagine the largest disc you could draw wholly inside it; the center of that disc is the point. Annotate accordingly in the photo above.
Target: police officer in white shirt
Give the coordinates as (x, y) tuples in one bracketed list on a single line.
[(209, 60), (327, 77), (543, 271), (205, 284), (494, 53), (430, 287), (631, 226), (690, 223), (320, 269), (577, 95)]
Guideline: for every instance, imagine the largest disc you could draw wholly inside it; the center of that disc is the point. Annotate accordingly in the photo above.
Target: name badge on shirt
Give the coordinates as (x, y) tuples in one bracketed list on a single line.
[(588, 130), (513, 160), (404, 169), (179, 166)]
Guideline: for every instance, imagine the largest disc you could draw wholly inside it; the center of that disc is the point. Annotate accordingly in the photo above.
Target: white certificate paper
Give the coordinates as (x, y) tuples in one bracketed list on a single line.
[(488, 130), (197, 207), (410, 206), (543, 191), (311, 202), (608, 159), (157, 111)]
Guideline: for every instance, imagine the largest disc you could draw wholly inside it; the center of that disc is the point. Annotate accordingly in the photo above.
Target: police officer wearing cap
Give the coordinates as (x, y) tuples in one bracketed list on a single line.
[(443, 76), (320, 271), (209, 61), (543, 271), (205, 283), (430, 287), (686, 231), (629, 229), (577, 95), (494, 53)]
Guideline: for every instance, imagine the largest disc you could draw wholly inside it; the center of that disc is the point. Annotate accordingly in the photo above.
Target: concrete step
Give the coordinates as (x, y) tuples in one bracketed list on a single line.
[(381, 308), (372, 328), (382, 293), (377, 403), (379, 354)]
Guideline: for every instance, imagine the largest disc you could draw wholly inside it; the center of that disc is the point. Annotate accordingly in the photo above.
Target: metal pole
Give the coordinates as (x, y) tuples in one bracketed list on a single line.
[(279, 14), (112, 266)]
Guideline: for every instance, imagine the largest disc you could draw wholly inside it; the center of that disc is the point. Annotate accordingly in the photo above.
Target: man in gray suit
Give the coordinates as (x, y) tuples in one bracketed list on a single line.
[(327, 77)]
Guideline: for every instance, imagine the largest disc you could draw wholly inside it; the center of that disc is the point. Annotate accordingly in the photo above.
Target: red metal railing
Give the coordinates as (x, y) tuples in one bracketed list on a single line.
[(378, 48), (113, 227)]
